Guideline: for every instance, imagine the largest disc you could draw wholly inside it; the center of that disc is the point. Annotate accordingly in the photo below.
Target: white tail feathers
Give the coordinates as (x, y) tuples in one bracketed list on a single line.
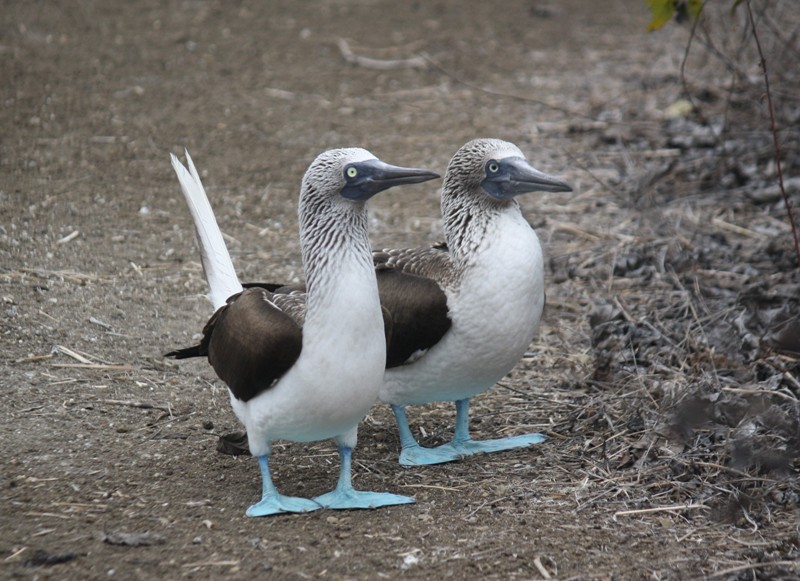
[(217, 264)]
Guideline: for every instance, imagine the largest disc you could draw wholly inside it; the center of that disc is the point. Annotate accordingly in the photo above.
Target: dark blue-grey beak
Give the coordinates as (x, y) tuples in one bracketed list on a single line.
[(364, 179), (512, 176)]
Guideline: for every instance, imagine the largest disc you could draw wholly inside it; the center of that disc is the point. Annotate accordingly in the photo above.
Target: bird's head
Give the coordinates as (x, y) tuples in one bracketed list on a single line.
[(356, 175), (499, 170)]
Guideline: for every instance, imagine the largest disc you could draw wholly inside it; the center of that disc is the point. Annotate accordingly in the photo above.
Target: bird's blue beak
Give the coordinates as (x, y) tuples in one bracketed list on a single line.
[(364, 179), (512, 176)]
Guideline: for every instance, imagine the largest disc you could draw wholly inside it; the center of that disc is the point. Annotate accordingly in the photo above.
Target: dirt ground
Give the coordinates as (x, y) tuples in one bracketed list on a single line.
[(666, 373)]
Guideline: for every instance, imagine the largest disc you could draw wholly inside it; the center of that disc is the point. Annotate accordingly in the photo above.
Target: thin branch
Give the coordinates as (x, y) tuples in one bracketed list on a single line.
[(494, 93), (775, 141), (416, 62), (660, 509), (752, 566), (687, 93)]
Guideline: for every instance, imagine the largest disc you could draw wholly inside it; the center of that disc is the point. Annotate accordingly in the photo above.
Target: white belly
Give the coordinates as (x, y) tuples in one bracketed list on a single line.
[(495, 311), (335, 380)]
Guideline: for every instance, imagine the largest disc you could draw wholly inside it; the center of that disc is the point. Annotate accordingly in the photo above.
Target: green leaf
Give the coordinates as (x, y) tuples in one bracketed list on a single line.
[(661, 11), (695, 7)]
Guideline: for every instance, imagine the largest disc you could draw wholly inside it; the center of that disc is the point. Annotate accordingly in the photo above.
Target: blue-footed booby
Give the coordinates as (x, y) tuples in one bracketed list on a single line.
[(303, 366), (468, 309), (462, 313)]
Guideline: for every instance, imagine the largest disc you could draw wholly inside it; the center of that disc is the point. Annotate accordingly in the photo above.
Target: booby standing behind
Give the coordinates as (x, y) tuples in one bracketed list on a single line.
[(463, 314), (309, 369)]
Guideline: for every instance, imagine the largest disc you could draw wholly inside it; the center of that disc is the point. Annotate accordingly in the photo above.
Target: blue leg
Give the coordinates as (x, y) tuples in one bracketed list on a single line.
[(345, 497), (412, 453), (467, 446), (461, 445), (272, 501)]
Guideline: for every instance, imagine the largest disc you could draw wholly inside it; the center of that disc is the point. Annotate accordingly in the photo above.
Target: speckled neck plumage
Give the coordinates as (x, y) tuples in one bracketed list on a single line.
[(329, 234), (466, 220), (333, 230), (467, 212)]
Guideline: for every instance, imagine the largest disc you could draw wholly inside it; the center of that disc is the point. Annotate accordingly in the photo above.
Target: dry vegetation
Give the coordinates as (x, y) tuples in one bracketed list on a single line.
[(666, 374)]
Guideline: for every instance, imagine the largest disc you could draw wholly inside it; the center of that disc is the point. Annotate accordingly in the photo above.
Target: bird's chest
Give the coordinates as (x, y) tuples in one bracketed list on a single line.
[(338, 374), (494, 306), (344, 339), (497, 305)]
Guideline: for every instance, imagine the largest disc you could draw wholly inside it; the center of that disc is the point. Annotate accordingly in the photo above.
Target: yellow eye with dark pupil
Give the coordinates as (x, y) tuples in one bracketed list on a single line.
[(493, 167), (352, 172)]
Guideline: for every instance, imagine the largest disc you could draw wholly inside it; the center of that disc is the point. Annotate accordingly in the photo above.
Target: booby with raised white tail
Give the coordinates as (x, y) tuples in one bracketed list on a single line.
[(303, 368), (477, 300)]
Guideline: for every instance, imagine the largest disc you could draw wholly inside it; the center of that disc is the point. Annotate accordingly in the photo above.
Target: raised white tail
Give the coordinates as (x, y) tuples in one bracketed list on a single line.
[(217, 264)]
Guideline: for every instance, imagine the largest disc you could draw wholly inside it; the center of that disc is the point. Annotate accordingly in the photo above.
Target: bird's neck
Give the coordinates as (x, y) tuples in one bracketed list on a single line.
[(336, 255), (469, 219), (343, 311)]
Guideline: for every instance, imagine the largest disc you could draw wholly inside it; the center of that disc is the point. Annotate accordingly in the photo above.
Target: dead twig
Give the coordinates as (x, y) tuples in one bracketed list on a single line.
[(672, 508), (100, 366), (751, 566), (69, 237), (760, 392), (70, 353), (433, 487), (687, 93), (380, 64), (15, 554), (537, 562), (100, 323), (494, 93), (212, 564), (84, 361), (736, 229)]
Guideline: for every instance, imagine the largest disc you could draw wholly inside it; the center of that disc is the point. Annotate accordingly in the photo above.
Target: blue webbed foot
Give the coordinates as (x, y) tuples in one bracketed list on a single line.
[(272, 501), (280, 504), (344, 499), (421, 456), (416, 455), (412, 454), (470, 447), (462, 444)]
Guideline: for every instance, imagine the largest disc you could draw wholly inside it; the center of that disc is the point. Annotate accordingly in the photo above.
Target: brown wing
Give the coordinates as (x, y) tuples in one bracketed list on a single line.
[(418, 312), (289, 298), (250, 343), (414, 304), (410, 283)]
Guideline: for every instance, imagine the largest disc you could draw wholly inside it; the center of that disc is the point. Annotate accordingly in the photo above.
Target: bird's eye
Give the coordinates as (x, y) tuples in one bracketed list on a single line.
[(351, 172), (493, 167)]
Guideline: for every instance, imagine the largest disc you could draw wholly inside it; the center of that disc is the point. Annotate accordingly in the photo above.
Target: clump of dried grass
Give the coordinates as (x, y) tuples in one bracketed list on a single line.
[(692, 398)]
